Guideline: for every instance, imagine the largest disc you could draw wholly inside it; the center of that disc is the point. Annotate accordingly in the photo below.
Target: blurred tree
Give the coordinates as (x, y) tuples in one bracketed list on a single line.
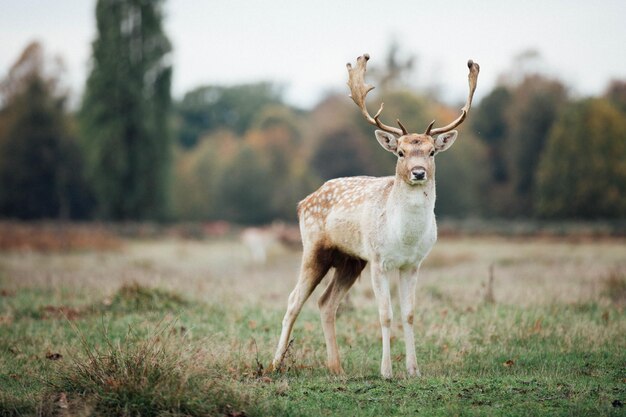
[(196, 174), (462, 176), (276, 137), (126, 107), (341, 154), (513, 120), (582, 173), (208, 108), (332, 113), (616, 93), (534, 108), (490, 123), (213, 179), (245, 188), (40, 162), (526, 62)]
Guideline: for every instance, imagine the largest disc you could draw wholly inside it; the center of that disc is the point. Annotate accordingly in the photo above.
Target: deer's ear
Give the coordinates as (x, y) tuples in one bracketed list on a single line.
[(387, 140), (445, 140)]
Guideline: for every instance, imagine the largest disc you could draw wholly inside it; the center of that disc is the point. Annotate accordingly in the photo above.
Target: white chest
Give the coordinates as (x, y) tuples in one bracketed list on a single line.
[(409, 235), (404, 251)]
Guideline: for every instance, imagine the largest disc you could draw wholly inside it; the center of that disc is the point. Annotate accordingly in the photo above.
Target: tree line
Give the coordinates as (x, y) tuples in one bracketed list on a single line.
[(240, 153)]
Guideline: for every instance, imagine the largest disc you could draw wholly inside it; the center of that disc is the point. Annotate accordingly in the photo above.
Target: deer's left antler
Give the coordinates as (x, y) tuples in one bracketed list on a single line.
[(472, 78)]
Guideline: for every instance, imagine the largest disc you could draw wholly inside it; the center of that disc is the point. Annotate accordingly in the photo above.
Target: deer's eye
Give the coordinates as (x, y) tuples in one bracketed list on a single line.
[(432, 153), (401, 154)]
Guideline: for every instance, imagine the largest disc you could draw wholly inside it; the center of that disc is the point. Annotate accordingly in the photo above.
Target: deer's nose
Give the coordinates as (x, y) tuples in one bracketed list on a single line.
[(418, 174)]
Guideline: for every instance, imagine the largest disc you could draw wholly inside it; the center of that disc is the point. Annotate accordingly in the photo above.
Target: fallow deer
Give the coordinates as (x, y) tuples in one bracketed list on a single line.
[(388, 222), (260, 240)]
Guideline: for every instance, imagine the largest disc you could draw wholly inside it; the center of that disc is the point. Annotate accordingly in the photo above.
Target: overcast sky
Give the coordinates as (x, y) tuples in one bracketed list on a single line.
[(305, 45)]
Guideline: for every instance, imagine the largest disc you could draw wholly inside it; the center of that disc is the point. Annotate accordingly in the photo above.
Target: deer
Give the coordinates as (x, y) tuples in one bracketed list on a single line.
[(260, 240), (388, 222)]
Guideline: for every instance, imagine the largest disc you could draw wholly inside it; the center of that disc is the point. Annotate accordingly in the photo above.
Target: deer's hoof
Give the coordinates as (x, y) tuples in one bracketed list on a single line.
[(386, 374), (335, 369)]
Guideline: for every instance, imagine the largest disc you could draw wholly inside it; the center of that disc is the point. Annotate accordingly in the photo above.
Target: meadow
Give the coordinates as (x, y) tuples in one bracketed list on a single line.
[(171, 326)]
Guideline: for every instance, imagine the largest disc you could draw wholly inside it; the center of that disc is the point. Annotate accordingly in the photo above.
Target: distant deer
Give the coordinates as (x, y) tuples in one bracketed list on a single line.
[(260, 240), (388, 222)]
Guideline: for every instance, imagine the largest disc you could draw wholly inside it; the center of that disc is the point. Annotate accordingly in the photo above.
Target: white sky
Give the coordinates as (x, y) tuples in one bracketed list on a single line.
[(305, 45)]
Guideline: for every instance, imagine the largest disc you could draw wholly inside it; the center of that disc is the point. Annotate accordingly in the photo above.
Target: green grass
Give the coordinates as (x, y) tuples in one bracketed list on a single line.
[(137, 349)]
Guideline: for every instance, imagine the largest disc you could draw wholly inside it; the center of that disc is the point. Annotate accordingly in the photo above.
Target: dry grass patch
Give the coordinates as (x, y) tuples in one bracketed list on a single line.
[(135, 297), (56, 237), (163, 373), (615, 286)]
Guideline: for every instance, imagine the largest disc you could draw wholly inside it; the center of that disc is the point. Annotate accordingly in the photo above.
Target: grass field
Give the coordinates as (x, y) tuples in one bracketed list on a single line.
[(167, 327)]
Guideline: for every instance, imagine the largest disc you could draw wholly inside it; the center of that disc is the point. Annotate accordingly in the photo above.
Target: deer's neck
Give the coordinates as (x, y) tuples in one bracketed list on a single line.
[(417, 199), (410, 229), (410, 211)]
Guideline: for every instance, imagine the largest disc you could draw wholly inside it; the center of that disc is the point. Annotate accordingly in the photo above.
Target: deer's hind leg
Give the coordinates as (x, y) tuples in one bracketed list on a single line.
[(347, 270), (315, 264)]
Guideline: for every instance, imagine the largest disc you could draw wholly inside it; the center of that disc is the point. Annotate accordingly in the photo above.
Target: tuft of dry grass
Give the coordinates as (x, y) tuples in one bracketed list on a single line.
[(135, 297), (615, 286), (154, 375)]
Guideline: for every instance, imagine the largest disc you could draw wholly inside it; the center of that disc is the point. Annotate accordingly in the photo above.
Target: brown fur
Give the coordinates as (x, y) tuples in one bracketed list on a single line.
[(347, 270)]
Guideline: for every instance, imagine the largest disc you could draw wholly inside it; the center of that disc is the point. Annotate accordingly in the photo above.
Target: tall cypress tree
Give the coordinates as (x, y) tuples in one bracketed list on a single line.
[(124, 117), (40, 162)]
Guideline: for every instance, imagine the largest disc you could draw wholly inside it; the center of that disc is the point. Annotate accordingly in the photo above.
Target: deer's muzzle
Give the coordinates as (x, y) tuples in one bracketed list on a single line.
[(418, 175)]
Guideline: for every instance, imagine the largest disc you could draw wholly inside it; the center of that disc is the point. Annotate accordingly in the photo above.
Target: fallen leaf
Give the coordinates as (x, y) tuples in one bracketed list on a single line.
[(266, 379), (509, 363)]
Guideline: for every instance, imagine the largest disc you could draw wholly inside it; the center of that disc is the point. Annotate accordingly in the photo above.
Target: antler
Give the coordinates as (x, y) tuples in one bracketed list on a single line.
[(358, 92), (472, 78)]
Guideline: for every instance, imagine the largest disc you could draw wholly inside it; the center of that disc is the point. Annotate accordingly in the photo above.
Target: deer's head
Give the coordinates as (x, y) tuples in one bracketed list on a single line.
[(415, 151)]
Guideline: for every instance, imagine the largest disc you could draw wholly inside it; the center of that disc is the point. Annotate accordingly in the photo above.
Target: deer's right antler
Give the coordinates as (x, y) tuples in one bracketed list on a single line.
[(358, 92)]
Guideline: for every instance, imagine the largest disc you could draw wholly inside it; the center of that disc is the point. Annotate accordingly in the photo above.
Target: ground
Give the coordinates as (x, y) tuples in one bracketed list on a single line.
[(171, 326)]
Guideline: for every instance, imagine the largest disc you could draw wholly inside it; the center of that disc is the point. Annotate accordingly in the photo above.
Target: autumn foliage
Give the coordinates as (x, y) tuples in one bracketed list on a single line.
[(242, 154)]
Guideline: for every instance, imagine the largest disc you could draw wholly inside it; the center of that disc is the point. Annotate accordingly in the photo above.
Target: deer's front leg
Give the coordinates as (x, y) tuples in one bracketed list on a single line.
[(380, 283), (406, 295)]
